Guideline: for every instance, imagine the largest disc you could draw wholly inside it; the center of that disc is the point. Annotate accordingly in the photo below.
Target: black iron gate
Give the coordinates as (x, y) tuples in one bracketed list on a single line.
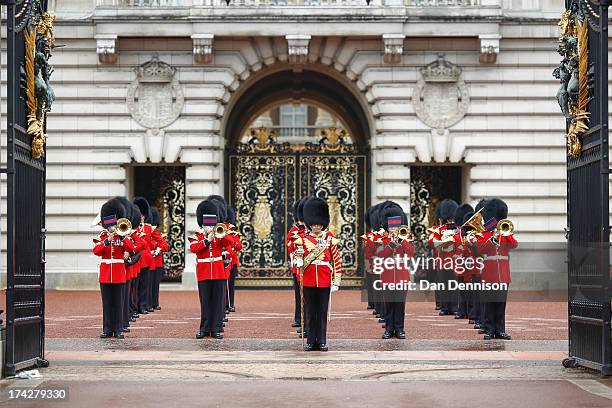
[(29, 97), (583, 97), (263, 181)]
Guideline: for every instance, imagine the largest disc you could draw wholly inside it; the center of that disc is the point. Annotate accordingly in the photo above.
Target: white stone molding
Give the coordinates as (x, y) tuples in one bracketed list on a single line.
[(106, 48), (203, 48), (489, 48), (297, 48), (394, 48)]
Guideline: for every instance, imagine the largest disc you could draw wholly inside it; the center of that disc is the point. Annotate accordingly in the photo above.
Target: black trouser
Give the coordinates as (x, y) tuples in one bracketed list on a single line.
[(232, 285), (224, 300), (143, 290), (112, 302), (474, 302), (448, 298), (125, 308), (395, 312), (495, 312), (370, 288), (134, 295), (297, 315), (211, 304), (316, 301), (462, 306), (157, 275)]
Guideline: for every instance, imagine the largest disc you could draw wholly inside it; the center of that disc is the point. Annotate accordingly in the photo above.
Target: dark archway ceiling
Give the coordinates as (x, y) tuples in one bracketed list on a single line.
[(306, 84)]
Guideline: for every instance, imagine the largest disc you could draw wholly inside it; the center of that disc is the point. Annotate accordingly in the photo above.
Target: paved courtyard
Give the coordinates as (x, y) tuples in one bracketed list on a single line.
[(443, 363)]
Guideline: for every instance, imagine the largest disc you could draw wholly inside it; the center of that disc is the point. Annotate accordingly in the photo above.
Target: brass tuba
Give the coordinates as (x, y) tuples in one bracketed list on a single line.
[(124, 227), (505, 227), (220, 230)]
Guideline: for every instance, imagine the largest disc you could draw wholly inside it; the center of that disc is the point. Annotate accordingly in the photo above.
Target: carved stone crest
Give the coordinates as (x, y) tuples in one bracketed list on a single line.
[(155, 98), (441, 97)]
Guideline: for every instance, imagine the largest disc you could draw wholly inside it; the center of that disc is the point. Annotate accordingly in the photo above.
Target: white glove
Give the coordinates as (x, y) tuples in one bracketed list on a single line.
[(334, 288), (299, 262)]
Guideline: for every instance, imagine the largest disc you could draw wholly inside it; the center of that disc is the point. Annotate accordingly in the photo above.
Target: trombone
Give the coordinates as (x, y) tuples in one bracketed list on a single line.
[(124, 227), (403, 232), (220, 230), (504, 228)]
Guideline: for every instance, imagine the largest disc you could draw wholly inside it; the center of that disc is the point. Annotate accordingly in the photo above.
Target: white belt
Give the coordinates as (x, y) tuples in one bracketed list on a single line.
[(218, 258), (319, 262), (495, 257), (112, 261)]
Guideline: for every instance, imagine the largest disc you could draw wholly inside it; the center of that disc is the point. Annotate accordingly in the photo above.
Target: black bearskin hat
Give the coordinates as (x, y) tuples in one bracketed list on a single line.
[(231, 215), (495, 208), (294, 211), (316, 211), (391, 209), (155, 218), (144, 207), (300, 208), (127, 205), (465, 218), (222, 205), (367, 218), (113, 207), (447, 209), (461, 211), (480, 204), (375, 220), (207, 207), (135, 217)]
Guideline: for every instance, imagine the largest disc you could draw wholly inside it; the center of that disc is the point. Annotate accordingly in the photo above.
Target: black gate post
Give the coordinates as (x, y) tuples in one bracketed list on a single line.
[(583, 97), (29, 97)]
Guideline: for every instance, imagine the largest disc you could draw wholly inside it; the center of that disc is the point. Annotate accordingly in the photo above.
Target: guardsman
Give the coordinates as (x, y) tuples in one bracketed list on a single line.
[(222, 217), (432, 232), (443, 241), (473, 238), (366, 239), (161, 246), (112, 246), (135, 261), (294, 232), (375, 242), (462, 275), (495, 245), (394, 245), (472, 269), (208, 248), (321, 271), (235, 263)]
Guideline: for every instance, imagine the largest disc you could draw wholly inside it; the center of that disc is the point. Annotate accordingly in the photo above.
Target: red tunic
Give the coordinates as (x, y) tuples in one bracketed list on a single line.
[(328, 265), (397, 273), (133, 270), (496, 262), (112, 267), (162, 245), (293, 234), (209, 258), (445, 250)]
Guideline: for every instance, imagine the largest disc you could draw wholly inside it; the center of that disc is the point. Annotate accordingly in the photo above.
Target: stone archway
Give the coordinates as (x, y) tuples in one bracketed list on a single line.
[(265, 175)]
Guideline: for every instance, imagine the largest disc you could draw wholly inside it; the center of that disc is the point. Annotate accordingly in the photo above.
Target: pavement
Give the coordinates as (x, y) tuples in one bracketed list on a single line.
[(260, 364)]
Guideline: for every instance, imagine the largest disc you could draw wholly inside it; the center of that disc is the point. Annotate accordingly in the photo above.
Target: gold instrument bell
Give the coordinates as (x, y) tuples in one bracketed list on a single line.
[(505, 227), (124, 227), (403, 232), (220, 230), (476, 222)]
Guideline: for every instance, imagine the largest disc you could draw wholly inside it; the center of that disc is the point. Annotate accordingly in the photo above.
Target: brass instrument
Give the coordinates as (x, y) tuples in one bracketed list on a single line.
[(475, 221), (124, 227), (403, 232), (504, 228), (220, 230)]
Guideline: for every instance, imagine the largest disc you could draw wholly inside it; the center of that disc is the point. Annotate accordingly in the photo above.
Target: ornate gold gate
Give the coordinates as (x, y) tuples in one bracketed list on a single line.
[(264, 178)]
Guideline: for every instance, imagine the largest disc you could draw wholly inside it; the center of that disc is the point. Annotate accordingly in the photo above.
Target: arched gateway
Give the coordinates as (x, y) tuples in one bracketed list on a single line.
[(290, 134)]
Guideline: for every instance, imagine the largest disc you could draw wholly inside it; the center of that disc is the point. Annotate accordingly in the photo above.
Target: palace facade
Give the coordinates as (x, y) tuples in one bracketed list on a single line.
[(263, 101)]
